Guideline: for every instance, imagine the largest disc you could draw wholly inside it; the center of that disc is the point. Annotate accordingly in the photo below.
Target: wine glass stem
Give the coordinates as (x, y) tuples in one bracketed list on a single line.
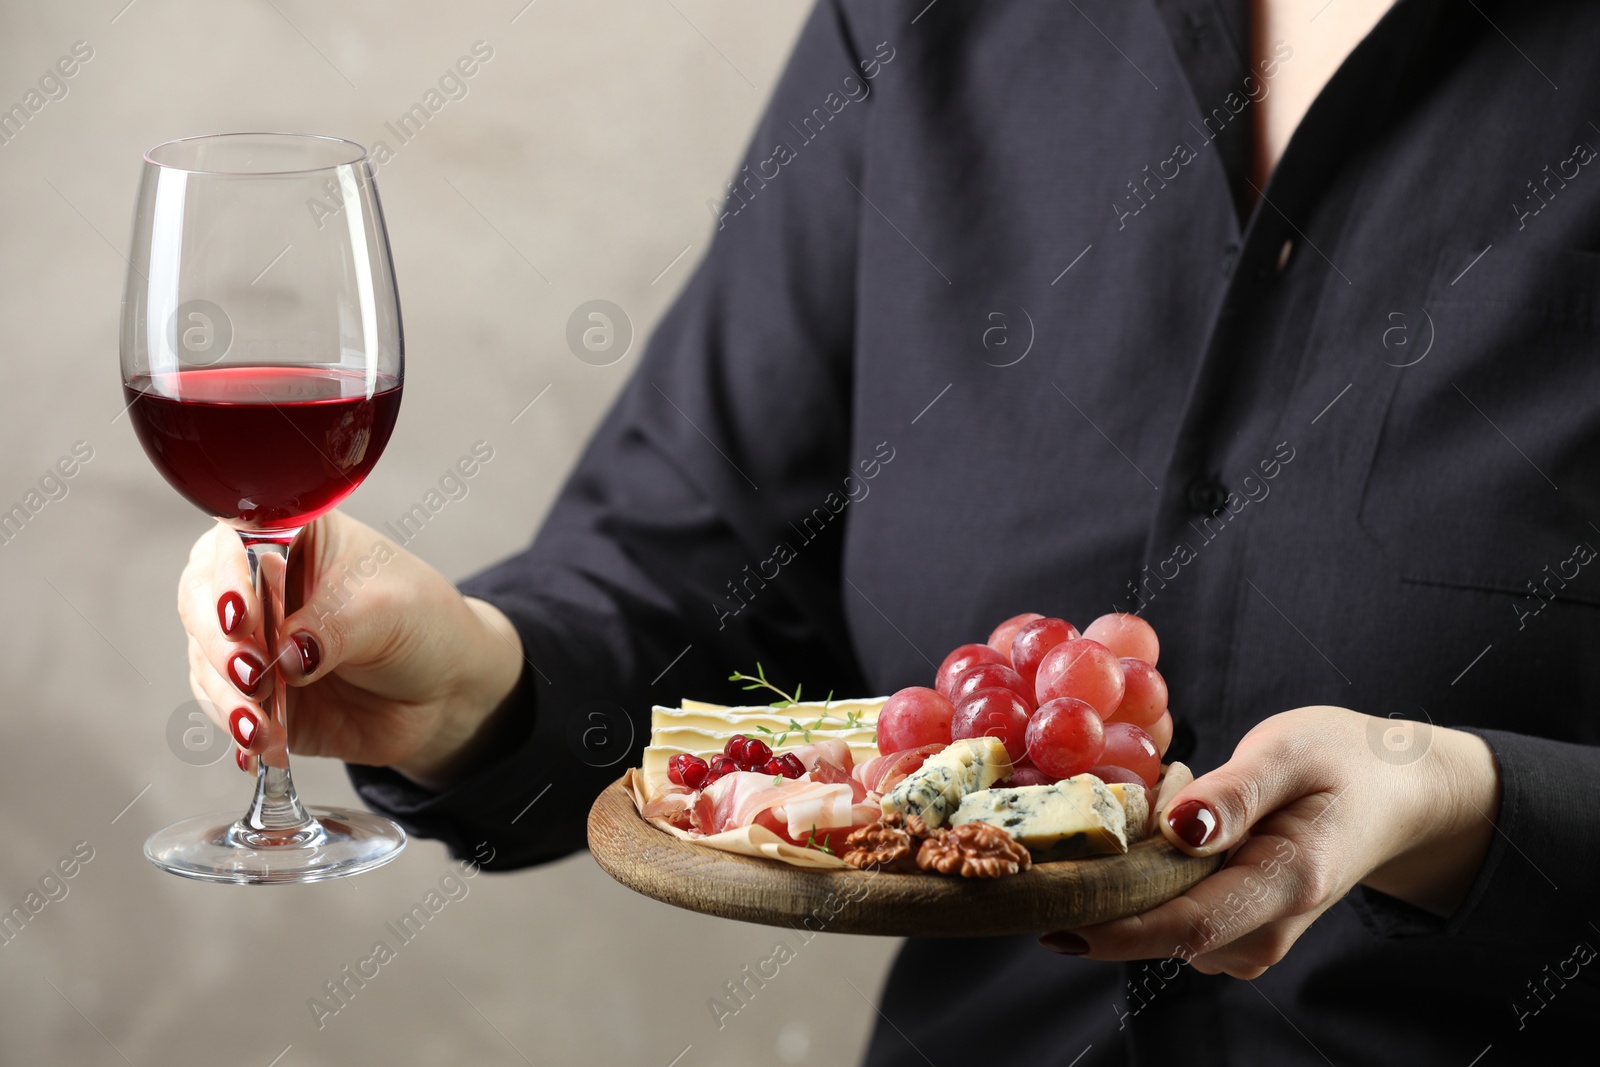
[(276, 808)]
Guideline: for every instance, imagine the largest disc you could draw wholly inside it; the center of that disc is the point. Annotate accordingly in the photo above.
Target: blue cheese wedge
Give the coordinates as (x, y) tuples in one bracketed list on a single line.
[(1075, 817), (937, 788), (1135, 801)]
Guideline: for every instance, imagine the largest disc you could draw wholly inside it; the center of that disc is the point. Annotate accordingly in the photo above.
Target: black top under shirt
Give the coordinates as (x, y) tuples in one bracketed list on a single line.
[(983, 330)]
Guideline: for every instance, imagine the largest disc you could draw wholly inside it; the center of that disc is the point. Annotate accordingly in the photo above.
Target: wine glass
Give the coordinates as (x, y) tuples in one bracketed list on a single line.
[(262, 362)]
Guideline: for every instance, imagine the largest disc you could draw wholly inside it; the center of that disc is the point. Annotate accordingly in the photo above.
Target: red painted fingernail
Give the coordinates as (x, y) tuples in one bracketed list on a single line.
[(230, 611), (310, 651), (245, 671), (1193, 822), (243, 724), (1065, 942), (241, 759)]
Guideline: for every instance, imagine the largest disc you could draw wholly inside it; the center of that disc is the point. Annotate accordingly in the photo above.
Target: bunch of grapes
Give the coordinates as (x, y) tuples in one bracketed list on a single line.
[(1063, 703)]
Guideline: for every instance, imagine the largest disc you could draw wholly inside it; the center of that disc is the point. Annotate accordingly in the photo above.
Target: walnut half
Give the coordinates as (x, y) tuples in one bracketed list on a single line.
[(973, 850), (882, 845)]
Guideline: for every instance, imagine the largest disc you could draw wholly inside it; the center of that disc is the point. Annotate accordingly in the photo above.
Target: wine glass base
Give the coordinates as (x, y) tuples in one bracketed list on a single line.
[(218, 848)]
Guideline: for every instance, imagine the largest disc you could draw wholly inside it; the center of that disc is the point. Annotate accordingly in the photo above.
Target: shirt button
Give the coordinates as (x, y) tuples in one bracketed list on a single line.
[(1207, 496), (1284, 253), (1230, 256)]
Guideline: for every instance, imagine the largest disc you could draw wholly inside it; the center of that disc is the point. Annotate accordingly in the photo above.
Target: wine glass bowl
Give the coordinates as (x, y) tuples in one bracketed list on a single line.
[(262, 364), (207, 430)]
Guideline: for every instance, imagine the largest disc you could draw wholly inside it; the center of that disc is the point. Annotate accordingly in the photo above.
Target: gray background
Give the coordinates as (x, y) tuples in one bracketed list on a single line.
[(585, 151)]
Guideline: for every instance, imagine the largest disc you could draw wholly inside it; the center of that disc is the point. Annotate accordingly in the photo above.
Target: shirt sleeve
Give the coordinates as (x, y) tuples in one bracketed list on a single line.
[(1538, 876), (659, 569)]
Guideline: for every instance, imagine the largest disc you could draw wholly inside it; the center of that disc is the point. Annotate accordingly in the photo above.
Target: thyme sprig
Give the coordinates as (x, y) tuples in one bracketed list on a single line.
[(759, 680), (811, 842)]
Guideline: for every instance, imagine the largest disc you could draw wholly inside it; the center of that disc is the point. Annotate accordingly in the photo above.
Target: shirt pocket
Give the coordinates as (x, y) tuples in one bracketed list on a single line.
[(1486, 470)]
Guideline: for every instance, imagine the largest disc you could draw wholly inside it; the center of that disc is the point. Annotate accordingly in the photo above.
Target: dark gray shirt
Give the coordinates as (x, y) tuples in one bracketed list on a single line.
[(983, 331)]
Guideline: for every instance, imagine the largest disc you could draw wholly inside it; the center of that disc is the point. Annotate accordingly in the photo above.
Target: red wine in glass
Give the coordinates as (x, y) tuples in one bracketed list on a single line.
[(262, 357), (207, 430)]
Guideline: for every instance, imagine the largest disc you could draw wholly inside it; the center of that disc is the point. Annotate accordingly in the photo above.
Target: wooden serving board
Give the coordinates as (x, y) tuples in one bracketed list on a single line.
[(1047, 896)]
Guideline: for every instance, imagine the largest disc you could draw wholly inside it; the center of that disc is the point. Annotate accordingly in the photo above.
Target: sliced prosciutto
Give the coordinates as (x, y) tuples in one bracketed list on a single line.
[(882, 773), (830, 761), (672, 806), (832, 750), (826, 771), (794, 808)]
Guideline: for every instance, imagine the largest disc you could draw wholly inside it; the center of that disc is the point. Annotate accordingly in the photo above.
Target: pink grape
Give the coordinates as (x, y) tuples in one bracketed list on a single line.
[(1115, 774), (990, 676), (1065, 737), (1160, 731), (1084, 669), (996, 713), (1129, 636), (959, 660), (1027, 774), (914, 717), (1129, 746), (1035, 640), (1000, 640), (1144, 695)]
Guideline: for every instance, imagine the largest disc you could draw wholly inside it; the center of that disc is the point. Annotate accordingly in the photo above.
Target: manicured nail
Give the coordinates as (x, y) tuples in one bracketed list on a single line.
[(230, 611), (1065, 942), (241, 759), (245, 671), (243, 724), (1193, 822), (310, 651)]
